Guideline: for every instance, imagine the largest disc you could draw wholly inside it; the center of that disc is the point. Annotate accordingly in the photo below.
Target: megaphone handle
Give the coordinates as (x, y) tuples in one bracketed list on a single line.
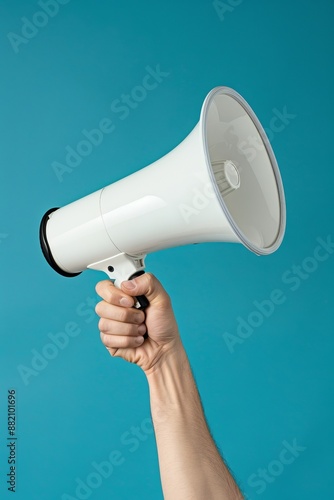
[(122, 267), (142, 301)]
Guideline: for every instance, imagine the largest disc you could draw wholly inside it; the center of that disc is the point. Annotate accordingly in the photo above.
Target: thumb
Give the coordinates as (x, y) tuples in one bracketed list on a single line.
[(147, 285)]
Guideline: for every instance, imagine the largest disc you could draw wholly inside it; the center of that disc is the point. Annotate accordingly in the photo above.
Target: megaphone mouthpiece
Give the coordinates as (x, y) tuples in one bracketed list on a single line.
[(226, 175)]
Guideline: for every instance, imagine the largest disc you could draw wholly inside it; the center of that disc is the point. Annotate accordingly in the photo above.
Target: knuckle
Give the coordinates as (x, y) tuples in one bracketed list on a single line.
[(150, 279), (103, 338), (109, 295), (122, 342), (102, 325), (125, 342), (112, 295), (123, 315), (106, 340), (98, 308), (100, 287), (167, 299), (130, 329)]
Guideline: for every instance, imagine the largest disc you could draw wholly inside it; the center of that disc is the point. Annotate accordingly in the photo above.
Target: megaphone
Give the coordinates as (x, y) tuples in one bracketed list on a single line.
[(221, 183)]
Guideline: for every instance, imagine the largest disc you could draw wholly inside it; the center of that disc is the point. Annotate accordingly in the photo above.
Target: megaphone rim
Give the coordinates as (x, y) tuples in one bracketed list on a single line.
[(203, 123)]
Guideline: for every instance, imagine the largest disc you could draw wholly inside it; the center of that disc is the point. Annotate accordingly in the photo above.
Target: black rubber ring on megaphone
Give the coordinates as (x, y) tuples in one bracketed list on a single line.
[(46, 248)]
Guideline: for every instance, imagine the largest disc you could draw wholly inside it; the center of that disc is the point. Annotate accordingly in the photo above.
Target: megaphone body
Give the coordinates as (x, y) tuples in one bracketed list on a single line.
[(221, 183)]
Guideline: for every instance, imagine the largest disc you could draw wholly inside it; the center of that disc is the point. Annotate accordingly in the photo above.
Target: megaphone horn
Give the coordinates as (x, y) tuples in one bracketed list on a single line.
[(214, 186)]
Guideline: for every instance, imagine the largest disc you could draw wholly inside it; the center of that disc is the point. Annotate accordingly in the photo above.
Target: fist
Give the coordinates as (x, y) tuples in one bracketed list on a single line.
[(123, 327)]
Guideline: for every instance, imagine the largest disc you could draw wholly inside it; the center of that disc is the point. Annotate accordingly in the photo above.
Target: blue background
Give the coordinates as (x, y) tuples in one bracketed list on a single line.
[(277, 385)]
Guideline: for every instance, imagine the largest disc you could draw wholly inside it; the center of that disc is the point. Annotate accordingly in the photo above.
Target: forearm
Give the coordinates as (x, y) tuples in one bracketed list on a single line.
[(190, 465)]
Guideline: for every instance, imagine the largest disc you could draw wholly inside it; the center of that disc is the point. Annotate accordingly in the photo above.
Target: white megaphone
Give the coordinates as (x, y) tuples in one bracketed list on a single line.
[(221, 183)]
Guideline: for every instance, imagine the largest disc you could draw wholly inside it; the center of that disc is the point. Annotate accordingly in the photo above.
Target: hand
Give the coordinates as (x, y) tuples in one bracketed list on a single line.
[(122, 326)]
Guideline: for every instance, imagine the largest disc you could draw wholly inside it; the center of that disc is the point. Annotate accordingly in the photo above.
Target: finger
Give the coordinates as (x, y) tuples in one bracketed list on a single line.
[(121, 341), (116, 328), (121, 314), (113, 295), (147, 285)]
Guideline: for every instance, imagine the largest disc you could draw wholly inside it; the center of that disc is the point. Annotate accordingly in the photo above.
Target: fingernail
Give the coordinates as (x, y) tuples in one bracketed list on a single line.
[(126, 302), (130, 285), (139, 340), (142, 329)]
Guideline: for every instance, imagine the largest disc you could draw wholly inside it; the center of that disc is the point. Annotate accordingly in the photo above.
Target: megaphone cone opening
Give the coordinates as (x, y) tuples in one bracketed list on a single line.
[(243, 170)]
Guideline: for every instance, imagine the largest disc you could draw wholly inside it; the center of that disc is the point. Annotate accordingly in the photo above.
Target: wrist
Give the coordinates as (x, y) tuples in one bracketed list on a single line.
[(171, 356), (173, 392)]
